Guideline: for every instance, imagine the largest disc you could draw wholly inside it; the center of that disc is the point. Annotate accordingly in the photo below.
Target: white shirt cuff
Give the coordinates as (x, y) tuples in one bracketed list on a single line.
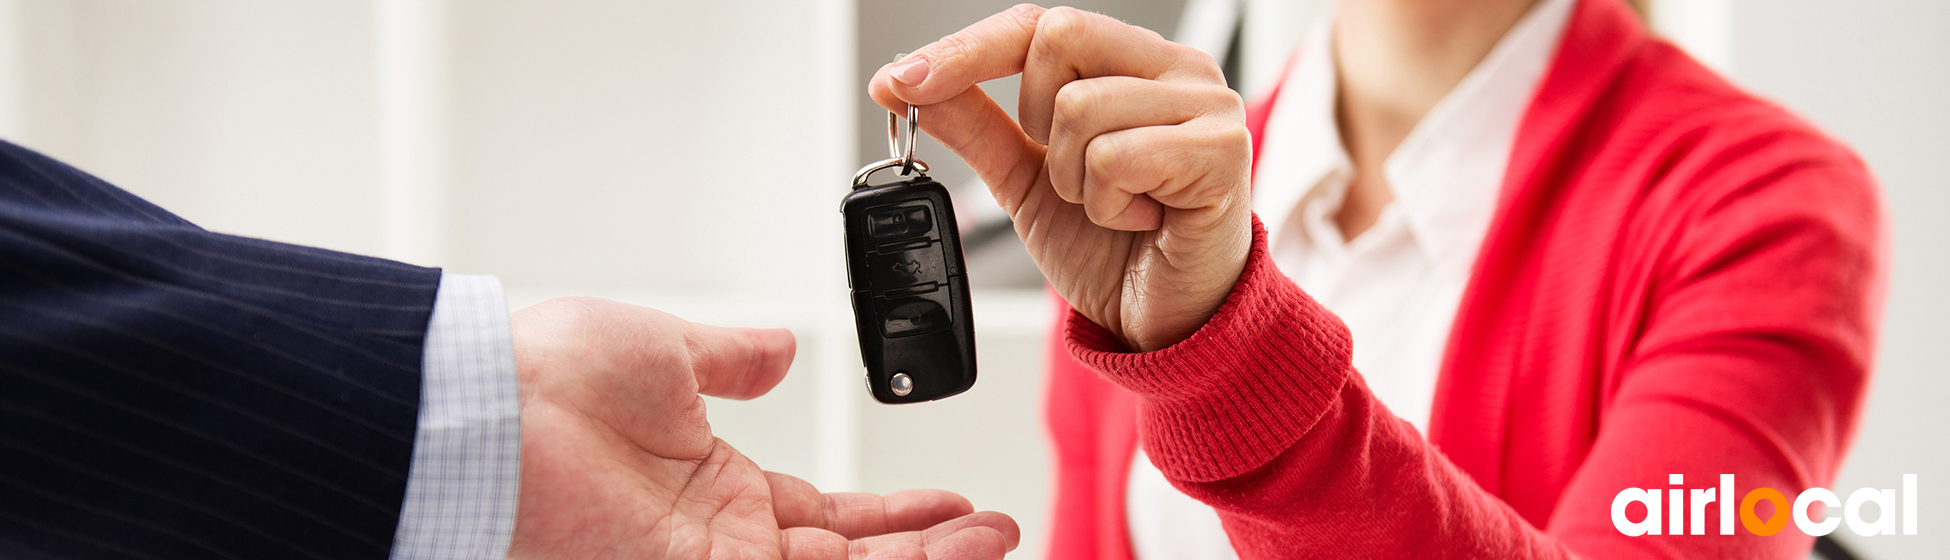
[(460, 493)]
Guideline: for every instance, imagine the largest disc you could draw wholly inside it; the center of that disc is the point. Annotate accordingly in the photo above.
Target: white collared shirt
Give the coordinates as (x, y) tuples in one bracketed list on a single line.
[(1398, 284)]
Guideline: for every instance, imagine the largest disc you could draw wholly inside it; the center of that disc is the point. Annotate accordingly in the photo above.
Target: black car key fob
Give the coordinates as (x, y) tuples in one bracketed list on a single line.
[(909, 283)]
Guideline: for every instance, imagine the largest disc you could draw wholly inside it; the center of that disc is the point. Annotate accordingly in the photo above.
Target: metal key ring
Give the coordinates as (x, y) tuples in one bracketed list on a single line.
[(894, 146), (893, 136), (894, 149), (860, 177)]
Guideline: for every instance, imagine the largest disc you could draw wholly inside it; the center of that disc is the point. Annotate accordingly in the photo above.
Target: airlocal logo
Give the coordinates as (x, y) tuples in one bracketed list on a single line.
[(1676, 512)]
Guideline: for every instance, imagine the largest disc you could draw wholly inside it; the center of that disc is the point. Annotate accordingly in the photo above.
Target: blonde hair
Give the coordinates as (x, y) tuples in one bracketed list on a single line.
[(1643, 8)]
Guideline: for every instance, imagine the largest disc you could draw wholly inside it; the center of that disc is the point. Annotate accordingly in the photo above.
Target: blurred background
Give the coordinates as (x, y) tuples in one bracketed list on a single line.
[(691, 156)]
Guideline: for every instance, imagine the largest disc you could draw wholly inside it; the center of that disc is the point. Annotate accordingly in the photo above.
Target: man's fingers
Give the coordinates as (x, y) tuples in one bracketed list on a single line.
[(738, 363), (899, 551), (979, 536), (991, 525), (1072, 44), (992, 48), (855, 515), (975, 543), (807, 543), (915, 510), (795, 503)]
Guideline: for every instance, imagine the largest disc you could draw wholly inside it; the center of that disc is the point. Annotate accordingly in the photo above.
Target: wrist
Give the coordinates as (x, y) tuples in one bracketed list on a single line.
[(1155, 321), (1239, 390)]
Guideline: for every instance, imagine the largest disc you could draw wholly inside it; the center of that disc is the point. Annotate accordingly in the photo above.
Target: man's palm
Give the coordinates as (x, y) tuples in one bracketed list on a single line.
[(619, 461)]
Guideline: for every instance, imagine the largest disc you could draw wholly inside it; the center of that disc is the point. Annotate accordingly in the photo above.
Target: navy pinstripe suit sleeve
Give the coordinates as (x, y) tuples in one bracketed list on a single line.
[(167, 392)]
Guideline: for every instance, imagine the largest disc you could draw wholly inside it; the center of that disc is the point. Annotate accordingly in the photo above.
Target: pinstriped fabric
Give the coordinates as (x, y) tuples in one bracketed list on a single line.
[(167, 392)]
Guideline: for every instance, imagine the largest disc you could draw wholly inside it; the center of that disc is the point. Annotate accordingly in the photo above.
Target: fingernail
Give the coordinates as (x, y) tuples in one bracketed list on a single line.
[(912, 72)]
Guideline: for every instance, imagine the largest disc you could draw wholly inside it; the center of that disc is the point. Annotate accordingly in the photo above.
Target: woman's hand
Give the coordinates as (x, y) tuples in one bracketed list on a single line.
[(1128, 175)]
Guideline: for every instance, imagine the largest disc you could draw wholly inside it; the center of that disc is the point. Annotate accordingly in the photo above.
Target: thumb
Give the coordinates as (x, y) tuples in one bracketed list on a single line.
[(941, 78), (738, 363), (993, 48)]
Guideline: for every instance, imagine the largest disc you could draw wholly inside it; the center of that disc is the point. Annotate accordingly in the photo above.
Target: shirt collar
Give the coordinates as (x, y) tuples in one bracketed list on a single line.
[(1446, 174)]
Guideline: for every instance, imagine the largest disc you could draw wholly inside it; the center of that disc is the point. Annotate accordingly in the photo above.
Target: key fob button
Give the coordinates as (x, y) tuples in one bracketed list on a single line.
[(910, 271), (913, 316), (900, 223)]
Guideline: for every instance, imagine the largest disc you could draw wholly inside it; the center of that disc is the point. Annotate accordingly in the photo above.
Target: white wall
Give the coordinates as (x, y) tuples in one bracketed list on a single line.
[(680, 154), (242, 116), (1877, 74), (684, 155)]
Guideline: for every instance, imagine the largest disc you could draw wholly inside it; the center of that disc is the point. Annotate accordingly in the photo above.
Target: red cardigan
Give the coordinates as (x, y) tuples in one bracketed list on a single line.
[(1680, 278)]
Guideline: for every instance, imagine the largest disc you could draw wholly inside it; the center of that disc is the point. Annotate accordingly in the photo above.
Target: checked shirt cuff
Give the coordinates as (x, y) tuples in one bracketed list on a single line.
[(460, 495)]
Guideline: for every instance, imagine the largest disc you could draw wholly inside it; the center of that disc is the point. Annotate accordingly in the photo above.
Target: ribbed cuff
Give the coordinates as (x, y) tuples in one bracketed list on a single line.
[(1241, 390)]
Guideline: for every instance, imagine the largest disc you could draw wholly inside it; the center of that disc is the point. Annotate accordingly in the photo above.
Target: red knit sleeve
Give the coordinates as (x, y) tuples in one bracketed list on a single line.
[(1260, 414), (1752, 362), (1204, 418)]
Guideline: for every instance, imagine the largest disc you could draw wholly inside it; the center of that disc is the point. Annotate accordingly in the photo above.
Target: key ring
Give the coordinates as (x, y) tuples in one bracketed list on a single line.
[(860, 177), (894, 147), (903, 156)]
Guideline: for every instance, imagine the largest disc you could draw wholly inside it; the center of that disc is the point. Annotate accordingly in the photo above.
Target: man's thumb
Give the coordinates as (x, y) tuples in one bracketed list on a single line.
[(738, 363)]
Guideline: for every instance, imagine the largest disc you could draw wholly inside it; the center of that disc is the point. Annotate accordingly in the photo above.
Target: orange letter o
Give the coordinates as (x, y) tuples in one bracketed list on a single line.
[(1775, 522)]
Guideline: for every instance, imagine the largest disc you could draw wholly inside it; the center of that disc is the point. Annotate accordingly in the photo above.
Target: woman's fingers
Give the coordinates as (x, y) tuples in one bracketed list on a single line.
[(1131, 132), (1086, 109), (979, 132), (992, 48), (1072, 44), (1126, 178), (1051, 49), (1199, 164)]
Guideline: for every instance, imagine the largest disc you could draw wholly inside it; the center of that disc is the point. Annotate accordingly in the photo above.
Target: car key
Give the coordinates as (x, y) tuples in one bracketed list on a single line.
[(909, 283)]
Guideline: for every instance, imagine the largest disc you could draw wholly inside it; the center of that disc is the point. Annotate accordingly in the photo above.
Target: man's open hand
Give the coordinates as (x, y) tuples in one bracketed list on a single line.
[(619, 462)]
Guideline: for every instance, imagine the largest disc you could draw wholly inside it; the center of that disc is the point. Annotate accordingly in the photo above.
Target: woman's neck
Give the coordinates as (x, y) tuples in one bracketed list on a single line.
[(1396, 60)]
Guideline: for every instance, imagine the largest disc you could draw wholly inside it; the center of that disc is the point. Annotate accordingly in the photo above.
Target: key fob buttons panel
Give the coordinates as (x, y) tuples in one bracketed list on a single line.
[(910, 292)]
